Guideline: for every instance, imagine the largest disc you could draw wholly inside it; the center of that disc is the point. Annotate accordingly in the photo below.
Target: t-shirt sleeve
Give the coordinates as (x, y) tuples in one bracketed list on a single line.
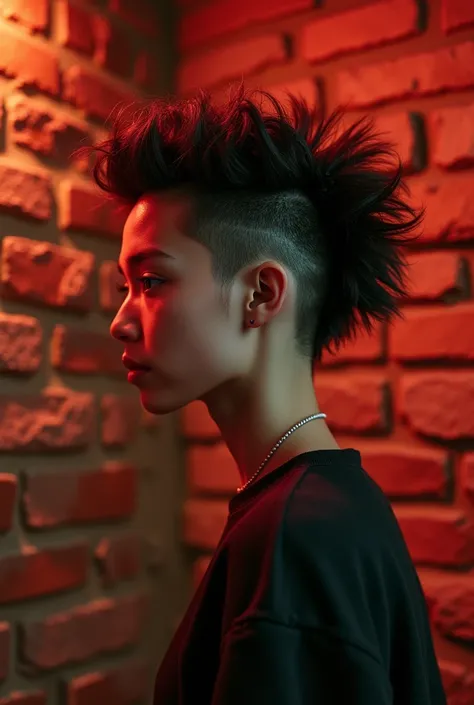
[(268, 662)]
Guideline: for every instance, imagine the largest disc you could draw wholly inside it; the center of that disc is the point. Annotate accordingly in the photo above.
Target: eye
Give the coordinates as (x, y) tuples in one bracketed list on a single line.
[(149, 282)]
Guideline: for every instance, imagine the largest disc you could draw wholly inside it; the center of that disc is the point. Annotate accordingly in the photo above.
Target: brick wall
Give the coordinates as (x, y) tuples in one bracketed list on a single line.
[(404, 396), (87, 524)]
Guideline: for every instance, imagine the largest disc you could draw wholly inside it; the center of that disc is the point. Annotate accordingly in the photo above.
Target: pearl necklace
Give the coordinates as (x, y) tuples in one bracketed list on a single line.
[(278, 444)]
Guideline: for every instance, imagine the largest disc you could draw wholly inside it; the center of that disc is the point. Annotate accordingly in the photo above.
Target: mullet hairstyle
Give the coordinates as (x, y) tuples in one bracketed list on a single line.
[(326, 202)]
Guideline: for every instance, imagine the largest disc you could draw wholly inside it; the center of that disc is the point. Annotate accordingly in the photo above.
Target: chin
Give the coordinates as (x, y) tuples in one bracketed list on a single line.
[(160, 404)]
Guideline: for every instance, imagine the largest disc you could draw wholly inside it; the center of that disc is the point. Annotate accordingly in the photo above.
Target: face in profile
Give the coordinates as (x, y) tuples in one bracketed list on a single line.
[(180, 342)]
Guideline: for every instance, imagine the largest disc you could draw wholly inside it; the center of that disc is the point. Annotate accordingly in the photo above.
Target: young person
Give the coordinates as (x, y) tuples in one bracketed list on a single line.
[(257, 238)]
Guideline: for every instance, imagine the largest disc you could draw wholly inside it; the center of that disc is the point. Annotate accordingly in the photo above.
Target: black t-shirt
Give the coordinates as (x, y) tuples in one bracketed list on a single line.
[(311, 598)]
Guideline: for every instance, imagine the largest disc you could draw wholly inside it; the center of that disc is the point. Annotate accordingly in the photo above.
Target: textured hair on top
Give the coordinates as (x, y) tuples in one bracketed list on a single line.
[(277, 182)]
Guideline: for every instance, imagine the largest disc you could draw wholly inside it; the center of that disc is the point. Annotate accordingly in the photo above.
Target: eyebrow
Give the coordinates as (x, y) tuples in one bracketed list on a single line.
[(139, 257)]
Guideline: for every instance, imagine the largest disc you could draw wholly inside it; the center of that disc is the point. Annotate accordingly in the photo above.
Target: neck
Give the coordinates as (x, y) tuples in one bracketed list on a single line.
[(253, 417)]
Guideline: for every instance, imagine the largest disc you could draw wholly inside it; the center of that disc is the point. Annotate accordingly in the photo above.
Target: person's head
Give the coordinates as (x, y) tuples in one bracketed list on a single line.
[(269, 215)]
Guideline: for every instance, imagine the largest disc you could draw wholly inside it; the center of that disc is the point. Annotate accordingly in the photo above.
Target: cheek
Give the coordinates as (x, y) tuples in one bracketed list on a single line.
[(191, 337)]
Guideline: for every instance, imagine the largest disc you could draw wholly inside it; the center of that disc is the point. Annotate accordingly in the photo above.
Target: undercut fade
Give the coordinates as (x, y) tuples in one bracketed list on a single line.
[(326, 201)]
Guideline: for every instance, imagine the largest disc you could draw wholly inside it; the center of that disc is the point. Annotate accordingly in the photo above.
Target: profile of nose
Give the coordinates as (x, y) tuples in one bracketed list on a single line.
[(124, 330)]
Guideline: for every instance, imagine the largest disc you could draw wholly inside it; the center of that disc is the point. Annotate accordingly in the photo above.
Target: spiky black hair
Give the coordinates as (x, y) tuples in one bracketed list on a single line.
[(284, 182)]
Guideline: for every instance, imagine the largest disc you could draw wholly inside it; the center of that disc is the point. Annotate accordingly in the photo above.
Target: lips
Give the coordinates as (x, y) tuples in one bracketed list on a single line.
[(134, 365)]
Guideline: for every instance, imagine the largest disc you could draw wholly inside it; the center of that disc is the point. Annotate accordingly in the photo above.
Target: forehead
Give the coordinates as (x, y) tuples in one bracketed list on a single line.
[(158, 219)]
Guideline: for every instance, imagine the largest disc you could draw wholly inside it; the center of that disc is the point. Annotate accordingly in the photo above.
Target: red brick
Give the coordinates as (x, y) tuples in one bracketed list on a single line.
[(119, 558), (212, 469), (449, 206), (356, 30), (435, 274), (96, 97), (113, 50), (353, 404), (466, 476), (407, 472), (88, 209), (439, 404), (46, 132), (204, 521), (305, 88), (74, 27), (458, 682), (146, 72), (65, 498), (404, 131), (231, 61), (8, 485), (84, 632), (120, 419), (216, 19), (438, 537), (434, 334), (31, 14), (449, 69), (451, 137), (48, 274), (142, 15), (44, 571), (110, 298), (364, 348), (20, 343), (456, 14), (452, 609), (122, 686), (196, 422), (56, 419), (30, 64), (4, 650), (32, 697), (25, 192), (199, 569), (85, 352)]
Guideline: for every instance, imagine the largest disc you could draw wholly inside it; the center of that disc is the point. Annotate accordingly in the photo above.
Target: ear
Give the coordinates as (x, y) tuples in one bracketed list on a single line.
[(267, 293)]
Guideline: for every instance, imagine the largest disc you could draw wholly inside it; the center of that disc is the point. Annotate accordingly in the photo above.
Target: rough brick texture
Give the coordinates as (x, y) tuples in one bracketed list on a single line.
[(126, 685), (363, 28), (87, 209), (119, 558), (230, 62), (438, 334), (47, 274), (53, 499), (20, 343), (216, 19), (410, 77), (73, 526), (35, 572), (456, 14), (452, 137), (56, 419), (46, 132), (83, 632), (29, 64), (25, 192), (32, 15), (85, 352), (91, 94)]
